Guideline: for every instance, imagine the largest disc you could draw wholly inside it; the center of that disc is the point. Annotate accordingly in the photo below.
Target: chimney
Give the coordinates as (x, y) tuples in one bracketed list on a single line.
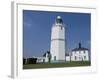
[(79, 45)]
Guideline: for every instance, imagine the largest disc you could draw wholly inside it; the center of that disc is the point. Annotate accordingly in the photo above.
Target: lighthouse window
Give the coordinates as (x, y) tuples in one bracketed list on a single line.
[(54, 57)]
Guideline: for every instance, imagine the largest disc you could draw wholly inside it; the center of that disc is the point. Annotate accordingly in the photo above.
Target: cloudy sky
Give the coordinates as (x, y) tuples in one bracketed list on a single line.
[(37, 30)]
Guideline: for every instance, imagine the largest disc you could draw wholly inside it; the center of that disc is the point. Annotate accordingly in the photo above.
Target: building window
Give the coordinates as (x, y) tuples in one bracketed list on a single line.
[(80, 58), (84, 57), (55, 58), (75, 58)]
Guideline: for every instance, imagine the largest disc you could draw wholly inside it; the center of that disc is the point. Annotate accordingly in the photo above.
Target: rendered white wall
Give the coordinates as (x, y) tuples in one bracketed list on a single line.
[(58, 42), (67, 58), (80, 55)]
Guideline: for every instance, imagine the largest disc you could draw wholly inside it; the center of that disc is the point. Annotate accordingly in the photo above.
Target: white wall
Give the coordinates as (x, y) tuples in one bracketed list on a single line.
[(5, 43), (67, 58), (57, 46), (80, 55)]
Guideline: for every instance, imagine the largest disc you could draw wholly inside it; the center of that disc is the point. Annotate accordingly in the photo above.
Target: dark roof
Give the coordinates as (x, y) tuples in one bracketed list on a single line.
[(79, 49)]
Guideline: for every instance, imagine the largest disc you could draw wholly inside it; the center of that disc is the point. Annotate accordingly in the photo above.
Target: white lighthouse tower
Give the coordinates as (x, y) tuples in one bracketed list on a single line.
[(58, 41)]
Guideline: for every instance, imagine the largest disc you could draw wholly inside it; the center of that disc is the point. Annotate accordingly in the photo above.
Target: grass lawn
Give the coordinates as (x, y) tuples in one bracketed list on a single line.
[(55, 65)]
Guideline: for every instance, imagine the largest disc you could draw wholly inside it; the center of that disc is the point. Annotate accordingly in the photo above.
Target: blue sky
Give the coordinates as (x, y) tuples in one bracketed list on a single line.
[(37, 30)]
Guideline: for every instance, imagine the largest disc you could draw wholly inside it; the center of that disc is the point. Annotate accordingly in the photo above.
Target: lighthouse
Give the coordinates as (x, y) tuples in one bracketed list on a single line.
[(57, 47)]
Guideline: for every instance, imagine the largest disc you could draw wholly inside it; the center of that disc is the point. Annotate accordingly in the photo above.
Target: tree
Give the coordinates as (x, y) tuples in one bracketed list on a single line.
[(24, 60), (44, 55), (49, 56), (31, 60)]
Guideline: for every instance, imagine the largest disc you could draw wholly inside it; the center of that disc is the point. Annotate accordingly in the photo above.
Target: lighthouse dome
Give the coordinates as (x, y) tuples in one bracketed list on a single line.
[(59, 20), (58, 17)]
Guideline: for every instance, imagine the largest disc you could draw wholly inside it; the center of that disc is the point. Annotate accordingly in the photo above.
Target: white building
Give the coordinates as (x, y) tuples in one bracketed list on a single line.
[(45, 58), (80, 54), (58, 40), (40, 59)]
